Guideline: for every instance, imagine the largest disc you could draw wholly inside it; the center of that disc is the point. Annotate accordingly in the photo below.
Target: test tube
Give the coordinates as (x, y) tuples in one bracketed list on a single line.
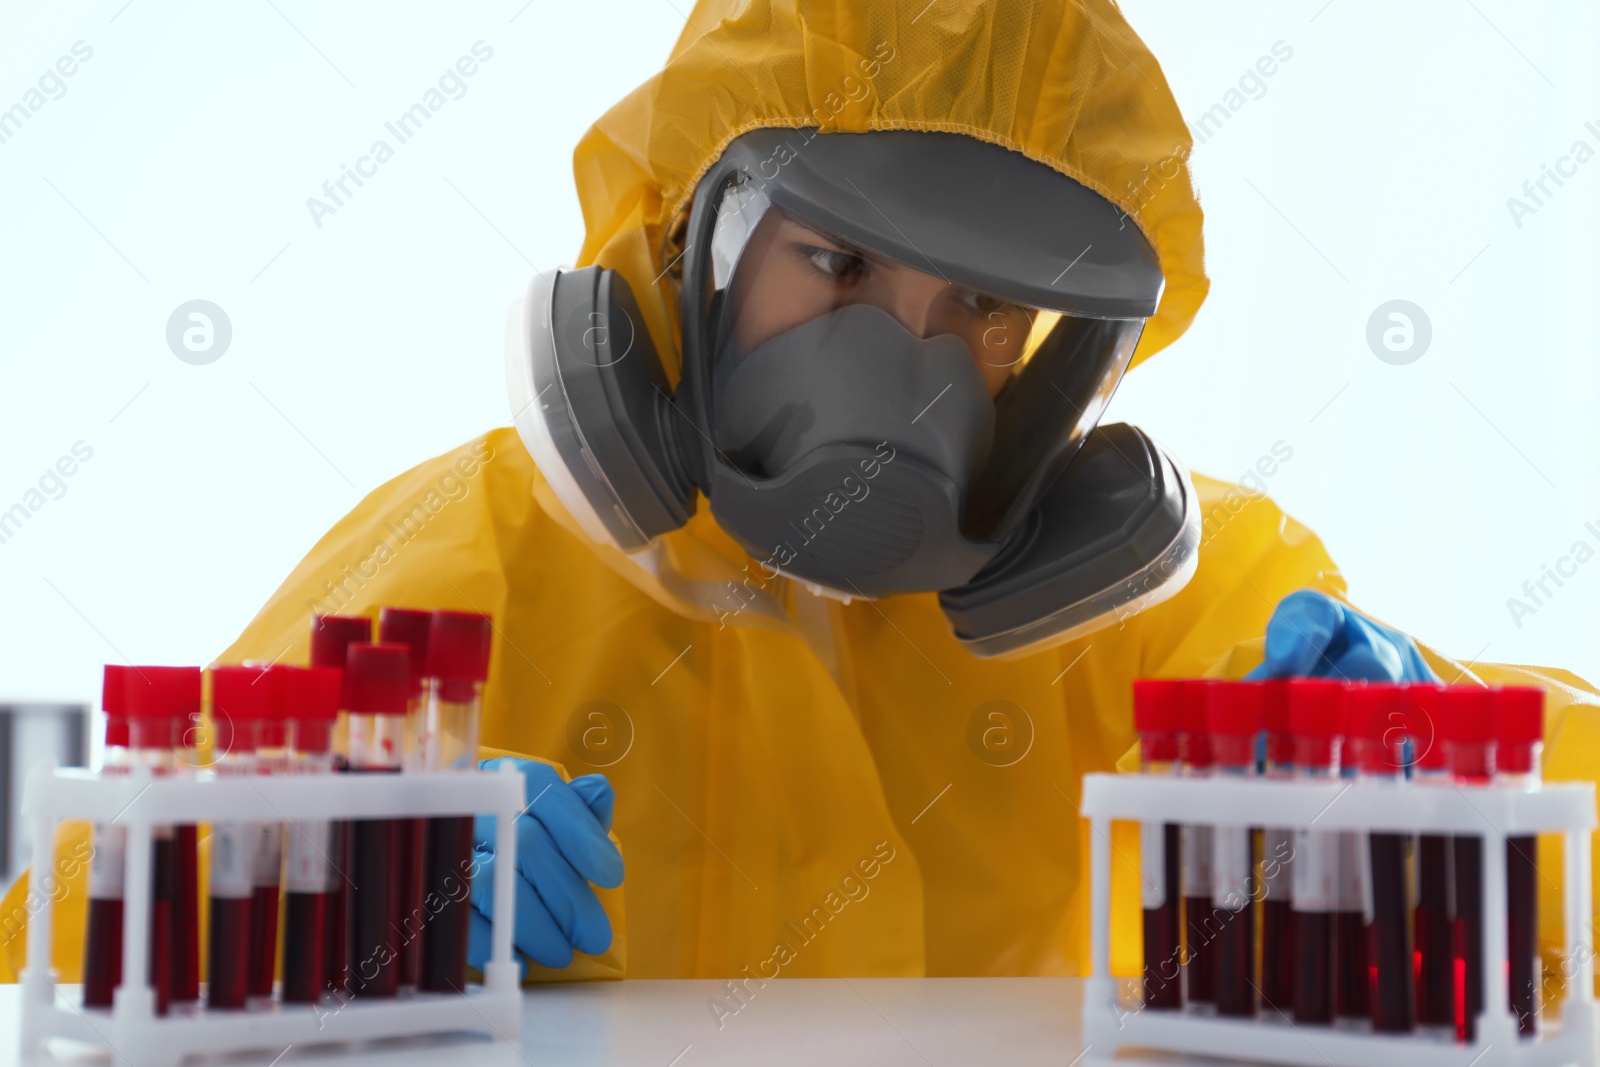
[(272, 758), (1373, 736), (238, 704), (1467, 714), (1518, 742), (311, 699), (1277, 857), (157, 701), (185, 857), (1199, 968), (331, 638), (102, 945), (1314, 705), (458, 665), (409, 627), (1233, 717), (378, 681), (1158, 718), (1431, 925), (1350, 916)]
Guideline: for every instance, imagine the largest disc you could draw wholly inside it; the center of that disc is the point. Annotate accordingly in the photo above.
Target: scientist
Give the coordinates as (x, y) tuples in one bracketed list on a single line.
[(811, 562)]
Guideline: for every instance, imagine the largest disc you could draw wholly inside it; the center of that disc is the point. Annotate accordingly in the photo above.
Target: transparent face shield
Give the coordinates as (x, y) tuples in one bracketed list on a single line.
[(995, 392), (896, 350)]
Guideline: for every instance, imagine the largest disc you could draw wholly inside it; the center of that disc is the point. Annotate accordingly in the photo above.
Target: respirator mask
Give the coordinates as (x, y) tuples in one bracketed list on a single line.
[(897, 346)]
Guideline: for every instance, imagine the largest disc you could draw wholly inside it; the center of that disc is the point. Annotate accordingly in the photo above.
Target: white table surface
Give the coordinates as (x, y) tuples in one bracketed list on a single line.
[(929, 1022)]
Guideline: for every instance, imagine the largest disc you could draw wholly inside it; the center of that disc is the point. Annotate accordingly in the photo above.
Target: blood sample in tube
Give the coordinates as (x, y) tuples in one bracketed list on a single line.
[(378, 682), (1234, 719), (185, 858), (238, 703), (272, 758), (410, 627), (157, 700), (1374, 730), (1158, 717), (311, 700), (1351, 915), (1199, 968), (1314, 717), (331, 638), (1518, 743), (102, 958), (1434, 956), (1277, 848), (458, 665), (1467, 715)]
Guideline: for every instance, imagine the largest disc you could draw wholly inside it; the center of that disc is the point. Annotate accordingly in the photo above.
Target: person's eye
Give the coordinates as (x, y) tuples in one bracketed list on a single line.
[(984, 304), (842, 266)]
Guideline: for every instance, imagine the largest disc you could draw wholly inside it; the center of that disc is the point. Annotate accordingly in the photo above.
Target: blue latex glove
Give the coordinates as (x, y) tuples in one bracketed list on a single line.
[(1312, 635), (561, 848)]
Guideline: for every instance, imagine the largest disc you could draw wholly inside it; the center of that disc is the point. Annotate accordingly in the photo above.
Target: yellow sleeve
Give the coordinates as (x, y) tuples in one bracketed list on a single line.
[(613, 963)]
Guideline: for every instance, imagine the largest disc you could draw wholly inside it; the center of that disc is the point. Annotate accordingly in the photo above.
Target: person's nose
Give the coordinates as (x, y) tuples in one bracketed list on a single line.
[(922, 305)]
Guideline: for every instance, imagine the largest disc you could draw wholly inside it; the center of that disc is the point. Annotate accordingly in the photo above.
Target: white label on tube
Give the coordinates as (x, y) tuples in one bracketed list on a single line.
[(232, 846), (1315, 870), (1352, 872), (1277, 850), (309, 858), (1153, 864), (269, 853), (1197, 861), (109, 844), (1364, 875), (1230, 849)]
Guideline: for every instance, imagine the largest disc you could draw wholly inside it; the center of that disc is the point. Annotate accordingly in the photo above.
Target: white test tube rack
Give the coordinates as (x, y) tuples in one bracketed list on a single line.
[(133, 1032), (1112, 1022)]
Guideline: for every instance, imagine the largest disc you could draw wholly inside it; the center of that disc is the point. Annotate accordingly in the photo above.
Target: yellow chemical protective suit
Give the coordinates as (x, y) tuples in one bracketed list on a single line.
[(805, 787)]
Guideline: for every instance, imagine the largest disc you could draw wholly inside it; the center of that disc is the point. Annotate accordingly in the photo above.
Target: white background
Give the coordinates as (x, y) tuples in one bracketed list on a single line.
[(1374, 164)]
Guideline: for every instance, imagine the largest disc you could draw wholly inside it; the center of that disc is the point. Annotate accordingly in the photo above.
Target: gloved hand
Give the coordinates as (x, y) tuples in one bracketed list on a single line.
[(561, 848), (1312, 635)]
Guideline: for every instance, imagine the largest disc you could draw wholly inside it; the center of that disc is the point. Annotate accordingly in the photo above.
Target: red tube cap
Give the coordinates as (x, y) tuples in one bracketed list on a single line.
[(1233, 714), (1234, 708), (406, 626), (1467, 714), (1373, 727), (378, 679), (274, 732), (1158, 717), (111, 689), (239, 692), (161, 692), (1314, 707), (1275, 706), (1314, 718), (458, 646), (332, 636), (1196, 729), (1521, 718), (1275, 720), (1158, 705), (1520, 727), (239, 703), (312, 693), (1419, 708), (112, 703)]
